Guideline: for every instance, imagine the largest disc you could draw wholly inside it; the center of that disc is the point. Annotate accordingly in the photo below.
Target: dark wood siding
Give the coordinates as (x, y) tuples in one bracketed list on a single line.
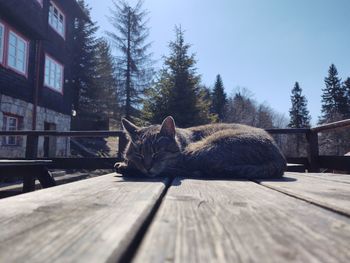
[(25, 15), (28, 17)]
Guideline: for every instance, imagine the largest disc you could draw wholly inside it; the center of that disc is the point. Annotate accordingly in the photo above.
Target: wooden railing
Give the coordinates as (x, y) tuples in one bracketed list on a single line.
[(313, 161), (31, 149)]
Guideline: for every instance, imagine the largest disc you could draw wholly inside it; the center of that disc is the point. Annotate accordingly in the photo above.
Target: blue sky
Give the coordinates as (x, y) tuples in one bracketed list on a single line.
[(262, 45)]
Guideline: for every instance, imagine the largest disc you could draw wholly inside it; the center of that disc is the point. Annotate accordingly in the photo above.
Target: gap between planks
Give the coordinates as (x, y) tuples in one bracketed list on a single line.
[(328, 194), (241, 221)]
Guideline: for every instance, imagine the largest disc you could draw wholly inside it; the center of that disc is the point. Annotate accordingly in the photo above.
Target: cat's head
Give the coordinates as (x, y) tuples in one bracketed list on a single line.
[(152, 149)]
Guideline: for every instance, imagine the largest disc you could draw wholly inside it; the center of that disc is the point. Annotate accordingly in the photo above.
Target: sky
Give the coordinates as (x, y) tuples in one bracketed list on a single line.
[(262, 45)]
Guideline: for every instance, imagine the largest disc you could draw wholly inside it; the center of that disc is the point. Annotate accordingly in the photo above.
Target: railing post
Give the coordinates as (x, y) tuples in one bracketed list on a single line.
[(122, 145), (313, 151), (31, 153), (32, 147)]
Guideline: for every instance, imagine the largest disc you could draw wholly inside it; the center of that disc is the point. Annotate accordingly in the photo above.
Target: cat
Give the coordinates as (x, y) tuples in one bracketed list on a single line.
[(233, 150)]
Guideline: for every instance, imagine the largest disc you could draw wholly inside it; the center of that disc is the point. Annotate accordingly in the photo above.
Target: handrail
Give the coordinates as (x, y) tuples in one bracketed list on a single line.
[(313, 157), (63, 133), (288, 131), (332, 126), (118, 133)]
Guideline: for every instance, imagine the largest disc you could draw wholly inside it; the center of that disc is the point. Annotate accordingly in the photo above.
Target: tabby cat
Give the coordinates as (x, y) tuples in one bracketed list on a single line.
[(233, 150)]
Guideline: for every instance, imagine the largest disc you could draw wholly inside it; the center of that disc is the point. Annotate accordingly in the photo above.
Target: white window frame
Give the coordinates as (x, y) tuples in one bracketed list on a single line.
[(7, 139), (2, 44), (51, 76), (16, 67), (56, 23)]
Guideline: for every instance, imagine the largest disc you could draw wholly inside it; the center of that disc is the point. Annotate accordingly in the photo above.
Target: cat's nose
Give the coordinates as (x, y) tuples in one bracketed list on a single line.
[(147, 165)]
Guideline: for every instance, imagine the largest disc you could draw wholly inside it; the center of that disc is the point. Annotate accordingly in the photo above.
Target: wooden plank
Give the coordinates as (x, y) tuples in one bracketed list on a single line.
[(332, 126), (237, 221), (288, 131), (88, 221), (64, 133), (329, 194), (24, 162), (83, 163), (343, 178), (293, 167)]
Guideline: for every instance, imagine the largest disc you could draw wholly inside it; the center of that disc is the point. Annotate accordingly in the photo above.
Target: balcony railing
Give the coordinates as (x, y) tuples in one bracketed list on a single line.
[(313, 162)]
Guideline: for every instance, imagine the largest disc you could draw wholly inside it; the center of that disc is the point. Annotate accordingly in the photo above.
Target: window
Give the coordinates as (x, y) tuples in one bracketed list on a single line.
[(57, 19), (53, 74), (2, 37), (17, 53), (10, 123)]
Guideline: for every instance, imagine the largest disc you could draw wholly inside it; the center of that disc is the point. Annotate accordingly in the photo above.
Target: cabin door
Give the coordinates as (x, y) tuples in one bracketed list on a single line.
[(49, 141)]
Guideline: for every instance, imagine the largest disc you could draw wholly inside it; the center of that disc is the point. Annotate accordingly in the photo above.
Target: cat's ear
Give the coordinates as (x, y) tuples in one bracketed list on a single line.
[(130, 128), (168, 127)]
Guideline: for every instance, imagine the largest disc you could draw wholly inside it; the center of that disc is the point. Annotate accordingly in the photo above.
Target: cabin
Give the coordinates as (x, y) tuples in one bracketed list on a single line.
[(36, 84)]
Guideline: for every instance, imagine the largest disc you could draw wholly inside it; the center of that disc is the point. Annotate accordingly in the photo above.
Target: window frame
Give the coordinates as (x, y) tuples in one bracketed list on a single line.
[(60, 12), (47, 58), (26, 55), (2, 44), (5, 141)]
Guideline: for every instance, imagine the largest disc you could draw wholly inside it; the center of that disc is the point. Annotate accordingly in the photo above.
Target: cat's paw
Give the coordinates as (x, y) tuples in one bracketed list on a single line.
[(121, 168)]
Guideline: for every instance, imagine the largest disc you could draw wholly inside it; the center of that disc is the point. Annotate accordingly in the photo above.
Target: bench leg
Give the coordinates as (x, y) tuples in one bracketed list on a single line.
[(45, 178), (28, 183)]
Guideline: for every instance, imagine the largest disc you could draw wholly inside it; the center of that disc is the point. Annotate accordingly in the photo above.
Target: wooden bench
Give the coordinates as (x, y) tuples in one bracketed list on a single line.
[(301, 218), (29, 170)]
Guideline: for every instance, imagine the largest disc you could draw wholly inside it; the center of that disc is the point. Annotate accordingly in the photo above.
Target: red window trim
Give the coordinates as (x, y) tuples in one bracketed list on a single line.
[(64, 20), (62, 76), (17, 138), (4, 62), (25, 73)]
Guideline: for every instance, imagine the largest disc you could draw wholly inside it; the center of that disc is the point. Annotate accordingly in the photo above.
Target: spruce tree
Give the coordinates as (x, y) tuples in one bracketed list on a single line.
[(106, 82), (133, 59), (299, 114), (334, 104), (299, 118), (177, 92), (84, 63), (219, 99), (346, 86), (334, 108)]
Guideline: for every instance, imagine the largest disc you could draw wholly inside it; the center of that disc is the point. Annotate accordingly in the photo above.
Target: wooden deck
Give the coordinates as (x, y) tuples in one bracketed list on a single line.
[(302, 218)]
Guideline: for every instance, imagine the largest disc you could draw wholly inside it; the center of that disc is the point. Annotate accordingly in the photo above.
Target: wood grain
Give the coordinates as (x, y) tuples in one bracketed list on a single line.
[(334, 195), (343, 178), (88, 221), (238, 221)]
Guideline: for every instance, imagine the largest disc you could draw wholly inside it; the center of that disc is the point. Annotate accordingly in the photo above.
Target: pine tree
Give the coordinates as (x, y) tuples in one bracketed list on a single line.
[(299, 118), (106, 82), (84, 63), (299, 114), (346, 86), (133, 59), (334, 104), (177, 91), (219, 98), (334, 108)]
